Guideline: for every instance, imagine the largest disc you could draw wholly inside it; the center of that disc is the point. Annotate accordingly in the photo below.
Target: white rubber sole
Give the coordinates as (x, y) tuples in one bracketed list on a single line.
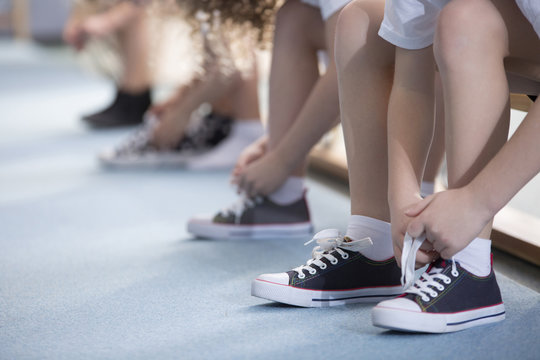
[(414, 321), (287, 294), (150, 161), (208, 229)]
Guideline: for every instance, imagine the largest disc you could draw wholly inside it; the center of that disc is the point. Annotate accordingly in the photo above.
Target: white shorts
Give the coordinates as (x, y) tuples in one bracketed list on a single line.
[(328, 7), (411, 24)]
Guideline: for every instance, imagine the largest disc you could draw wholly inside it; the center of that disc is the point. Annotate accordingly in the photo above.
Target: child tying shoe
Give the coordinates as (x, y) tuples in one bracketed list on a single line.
[(303, 105), (227, 81), (472, 43), (353, 269)]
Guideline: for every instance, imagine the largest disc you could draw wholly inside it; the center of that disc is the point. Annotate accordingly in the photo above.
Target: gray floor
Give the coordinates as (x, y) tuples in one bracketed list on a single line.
[(97, 264)]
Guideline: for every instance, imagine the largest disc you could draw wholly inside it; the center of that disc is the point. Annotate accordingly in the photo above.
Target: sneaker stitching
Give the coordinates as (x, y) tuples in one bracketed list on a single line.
[(446, 290), (328, 269)]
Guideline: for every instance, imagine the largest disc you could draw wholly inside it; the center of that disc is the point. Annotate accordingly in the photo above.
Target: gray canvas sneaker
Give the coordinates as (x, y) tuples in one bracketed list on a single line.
[(254, 218)]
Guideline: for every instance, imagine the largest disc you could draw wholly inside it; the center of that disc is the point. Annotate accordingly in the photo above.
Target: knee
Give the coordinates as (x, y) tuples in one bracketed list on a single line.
[(468, 26), (291, 17), (357, 26)]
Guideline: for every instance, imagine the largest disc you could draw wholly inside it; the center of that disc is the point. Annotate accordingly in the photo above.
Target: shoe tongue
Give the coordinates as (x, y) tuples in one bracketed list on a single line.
[(437, 265)]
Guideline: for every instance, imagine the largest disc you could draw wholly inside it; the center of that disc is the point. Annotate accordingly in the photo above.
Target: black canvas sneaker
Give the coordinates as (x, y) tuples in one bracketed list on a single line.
[(254, 218), (337, 274), (126, 109), (446, 298), (138, 151)]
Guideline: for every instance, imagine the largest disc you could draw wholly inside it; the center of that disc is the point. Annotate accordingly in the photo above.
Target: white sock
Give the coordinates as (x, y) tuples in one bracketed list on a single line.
[(247, 127), (427, 188), (380, 233), (225, 154), (291, 191), (476, 257)]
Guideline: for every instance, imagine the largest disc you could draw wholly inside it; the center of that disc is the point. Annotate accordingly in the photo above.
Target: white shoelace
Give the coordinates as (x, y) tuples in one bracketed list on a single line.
[(242, 204), (425, 285), (328, 241)]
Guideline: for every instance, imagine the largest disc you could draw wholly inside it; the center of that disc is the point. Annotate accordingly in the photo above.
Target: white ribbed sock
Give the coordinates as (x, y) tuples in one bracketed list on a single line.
[(225, 154), (380, 233), (247, 127), (427, 188), (476, 257), (292, 190)]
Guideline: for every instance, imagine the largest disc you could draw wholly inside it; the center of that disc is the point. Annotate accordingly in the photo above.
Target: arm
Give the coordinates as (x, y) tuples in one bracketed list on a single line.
[(318, 115), (410, 129), (174, 114), (460, 214), (82, 25)]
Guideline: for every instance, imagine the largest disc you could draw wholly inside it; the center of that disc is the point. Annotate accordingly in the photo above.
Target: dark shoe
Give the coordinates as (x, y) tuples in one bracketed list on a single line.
[(126, 109), (138, 151), (255, 218), (446, 298), (337, 274)]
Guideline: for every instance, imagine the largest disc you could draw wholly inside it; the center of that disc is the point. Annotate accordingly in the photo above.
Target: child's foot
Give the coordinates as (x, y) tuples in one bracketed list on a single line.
[(337, 274), (126, 109), (138, 150), (446, 298), (255, 218)]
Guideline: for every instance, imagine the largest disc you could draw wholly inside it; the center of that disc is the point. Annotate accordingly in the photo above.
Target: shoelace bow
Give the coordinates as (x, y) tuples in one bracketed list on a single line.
[(238, 207), (330, 241), (425, 285)]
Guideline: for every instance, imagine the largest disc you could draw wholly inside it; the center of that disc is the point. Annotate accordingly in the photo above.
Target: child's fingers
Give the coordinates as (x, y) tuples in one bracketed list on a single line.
[(416, 227), (416, 209), (423, 258)]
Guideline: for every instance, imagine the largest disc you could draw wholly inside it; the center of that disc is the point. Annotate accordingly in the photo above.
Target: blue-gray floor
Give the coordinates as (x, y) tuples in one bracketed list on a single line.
[(97, 264)]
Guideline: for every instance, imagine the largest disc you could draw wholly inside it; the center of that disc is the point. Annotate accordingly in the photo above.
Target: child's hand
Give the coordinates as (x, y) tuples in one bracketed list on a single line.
[(400, 224), (75, 35), (262, 177), (170, 126), (99, 26), (250, 154), (451, 220), (169, 129)]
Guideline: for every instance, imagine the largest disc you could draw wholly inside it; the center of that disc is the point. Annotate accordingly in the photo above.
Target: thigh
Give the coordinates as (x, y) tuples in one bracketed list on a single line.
[(523, 62)]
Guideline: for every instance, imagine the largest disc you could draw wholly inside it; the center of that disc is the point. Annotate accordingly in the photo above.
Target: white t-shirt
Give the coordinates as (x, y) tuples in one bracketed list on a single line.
[(411, 24), (328, 7)]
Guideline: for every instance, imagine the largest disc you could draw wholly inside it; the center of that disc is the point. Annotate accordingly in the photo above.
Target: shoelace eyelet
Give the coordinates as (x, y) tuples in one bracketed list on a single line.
[(455, 273), (345, 256), (425, 298), (301, 276), (447, 281), (312, 272), (334, 261), (323, 266), (433, 294), (440, 288)]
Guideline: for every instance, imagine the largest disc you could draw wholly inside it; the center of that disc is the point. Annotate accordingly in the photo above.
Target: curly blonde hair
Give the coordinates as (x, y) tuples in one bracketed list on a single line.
[(255, 15)]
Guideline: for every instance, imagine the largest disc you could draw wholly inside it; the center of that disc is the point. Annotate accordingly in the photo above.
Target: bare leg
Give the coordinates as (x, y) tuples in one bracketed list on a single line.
[(475, 88), (365, 69), (436, 151), (241, 102), (299, 34), (134, 51), (301, 111)]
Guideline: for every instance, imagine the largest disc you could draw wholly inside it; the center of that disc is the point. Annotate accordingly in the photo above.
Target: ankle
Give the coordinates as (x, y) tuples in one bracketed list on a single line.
[(380, 233)]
